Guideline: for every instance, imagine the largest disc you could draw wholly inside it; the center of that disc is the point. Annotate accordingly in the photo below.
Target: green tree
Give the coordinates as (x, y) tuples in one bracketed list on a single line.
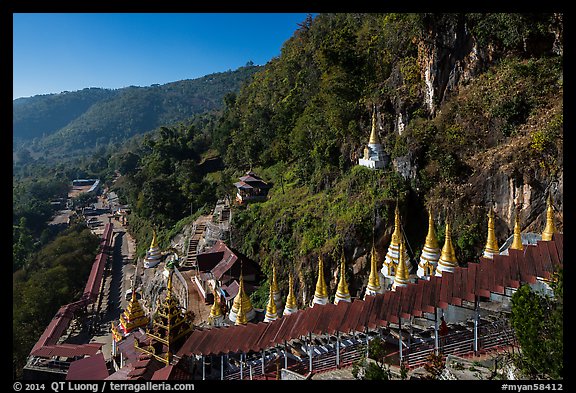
[(537, 321), (377, 369)]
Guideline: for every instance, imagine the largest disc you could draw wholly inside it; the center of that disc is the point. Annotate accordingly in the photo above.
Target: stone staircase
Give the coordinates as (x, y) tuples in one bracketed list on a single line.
[(192, 253)]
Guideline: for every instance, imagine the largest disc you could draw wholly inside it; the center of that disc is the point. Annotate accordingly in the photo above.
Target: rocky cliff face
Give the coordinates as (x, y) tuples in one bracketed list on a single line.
[(448, 56)]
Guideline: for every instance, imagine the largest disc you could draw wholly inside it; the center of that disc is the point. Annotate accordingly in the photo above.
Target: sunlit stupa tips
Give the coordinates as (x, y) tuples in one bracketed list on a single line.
[(402, 277), (291, 306), (550, 228), (342, 293), (448, 261), (430, 252), (321, 293), (491, 247)]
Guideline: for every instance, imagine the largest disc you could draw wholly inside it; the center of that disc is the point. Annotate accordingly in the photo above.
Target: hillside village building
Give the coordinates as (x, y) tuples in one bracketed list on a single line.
[(251, 188), (220, 269)]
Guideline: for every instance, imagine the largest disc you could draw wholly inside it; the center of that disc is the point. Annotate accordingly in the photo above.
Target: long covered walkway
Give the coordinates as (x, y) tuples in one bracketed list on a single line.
[(388, 315)]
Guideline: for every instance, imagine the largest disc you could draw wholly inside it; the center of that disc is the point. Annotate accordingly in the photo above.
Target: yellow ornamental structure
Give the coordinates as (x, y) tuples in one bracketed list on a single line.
[(275, 291), (550, 228), (430, 253), (291, 305), (342, 293), (447, 262), (402, 277), (392, 255), (133, 317), (373, 287), (271, 311), (241, 318), (242, 302), (153, 255), (517, 240), (216, 317), (321, 293), (491, 247), (171, 326)]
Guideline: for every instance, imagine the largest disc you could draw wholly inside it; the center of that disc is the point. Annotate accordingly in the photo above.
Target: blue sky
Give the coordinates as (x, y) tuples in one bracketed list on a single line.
[(71, 51)]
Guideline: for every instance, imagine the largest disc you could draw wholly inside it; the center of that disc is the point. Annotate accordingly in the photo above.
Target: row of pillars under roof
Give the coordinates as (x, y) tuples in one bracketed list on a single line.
[(437, 317)]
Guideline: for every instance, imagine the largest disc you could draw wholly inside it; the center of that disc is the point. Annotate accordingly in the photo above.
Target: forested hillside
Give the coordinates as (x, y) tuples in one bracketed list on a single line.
[(70, 123), (469, 109)]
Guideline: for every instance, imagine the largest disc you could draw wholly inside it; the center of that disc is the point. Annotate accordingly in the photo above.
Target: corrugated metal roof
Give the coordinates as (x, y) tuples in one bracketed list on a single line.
[(68, 350), (90, 368)]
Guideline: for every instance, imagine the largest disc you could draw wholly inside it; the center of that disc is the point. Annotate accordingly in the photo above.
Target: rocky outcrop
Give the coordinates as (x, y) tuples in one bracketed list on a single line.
[(448, 55)]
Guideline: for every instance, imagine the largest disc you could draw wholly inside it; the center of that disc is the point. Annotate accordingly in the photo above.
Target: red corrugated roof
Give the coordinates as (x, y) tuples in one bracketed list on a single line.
[(478, 279), (68, 350), (90, 368)]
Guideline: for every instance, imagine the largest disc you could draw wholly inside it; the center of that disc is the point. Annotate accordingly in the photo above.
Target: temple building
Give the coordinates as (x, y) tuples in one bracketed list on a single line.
[(321, 293), (491, 247), (242, 306), (402, 277), (220, 267), (391, 260), (430, 253), (447, 262), (291, 306), (374, 286), (153, 255), (342, 293), (171, 326), (374, 156), (251, 188)]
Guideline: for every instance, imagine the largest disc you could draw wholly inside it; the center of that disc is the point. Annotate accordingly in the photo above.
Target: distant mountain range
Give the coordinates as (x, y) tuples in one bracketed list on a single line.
[(72, 122)]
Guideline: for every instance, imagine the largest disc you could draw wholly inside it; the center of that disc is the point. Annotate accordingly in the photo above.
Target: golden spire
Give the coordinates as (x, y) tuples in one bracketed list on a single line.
[(215, 311), (491, 247), (271, 312), (342, 293), (241, 315), (321, 290), (374, 279), (274, 284), (396, 236), (550, 228), (154, 243), (374, 133), (342, 284), (291, 299), (169, 287), (517, 242), (242, 301), (402, 276), (448, 254), (402, 273), (431, 240)]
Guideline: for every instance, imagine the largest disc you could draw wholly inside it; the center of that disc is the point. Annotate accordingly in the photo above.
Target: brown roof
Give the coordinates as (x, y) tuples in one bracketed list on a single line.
[(67, 350), (478, 279), (90, 368)]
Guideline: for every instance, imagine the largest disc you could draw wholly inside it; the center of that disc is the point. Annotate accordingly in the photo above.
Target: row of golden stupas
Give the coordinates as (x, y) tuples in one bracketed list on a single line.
[(395, 269), (433, 261)]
